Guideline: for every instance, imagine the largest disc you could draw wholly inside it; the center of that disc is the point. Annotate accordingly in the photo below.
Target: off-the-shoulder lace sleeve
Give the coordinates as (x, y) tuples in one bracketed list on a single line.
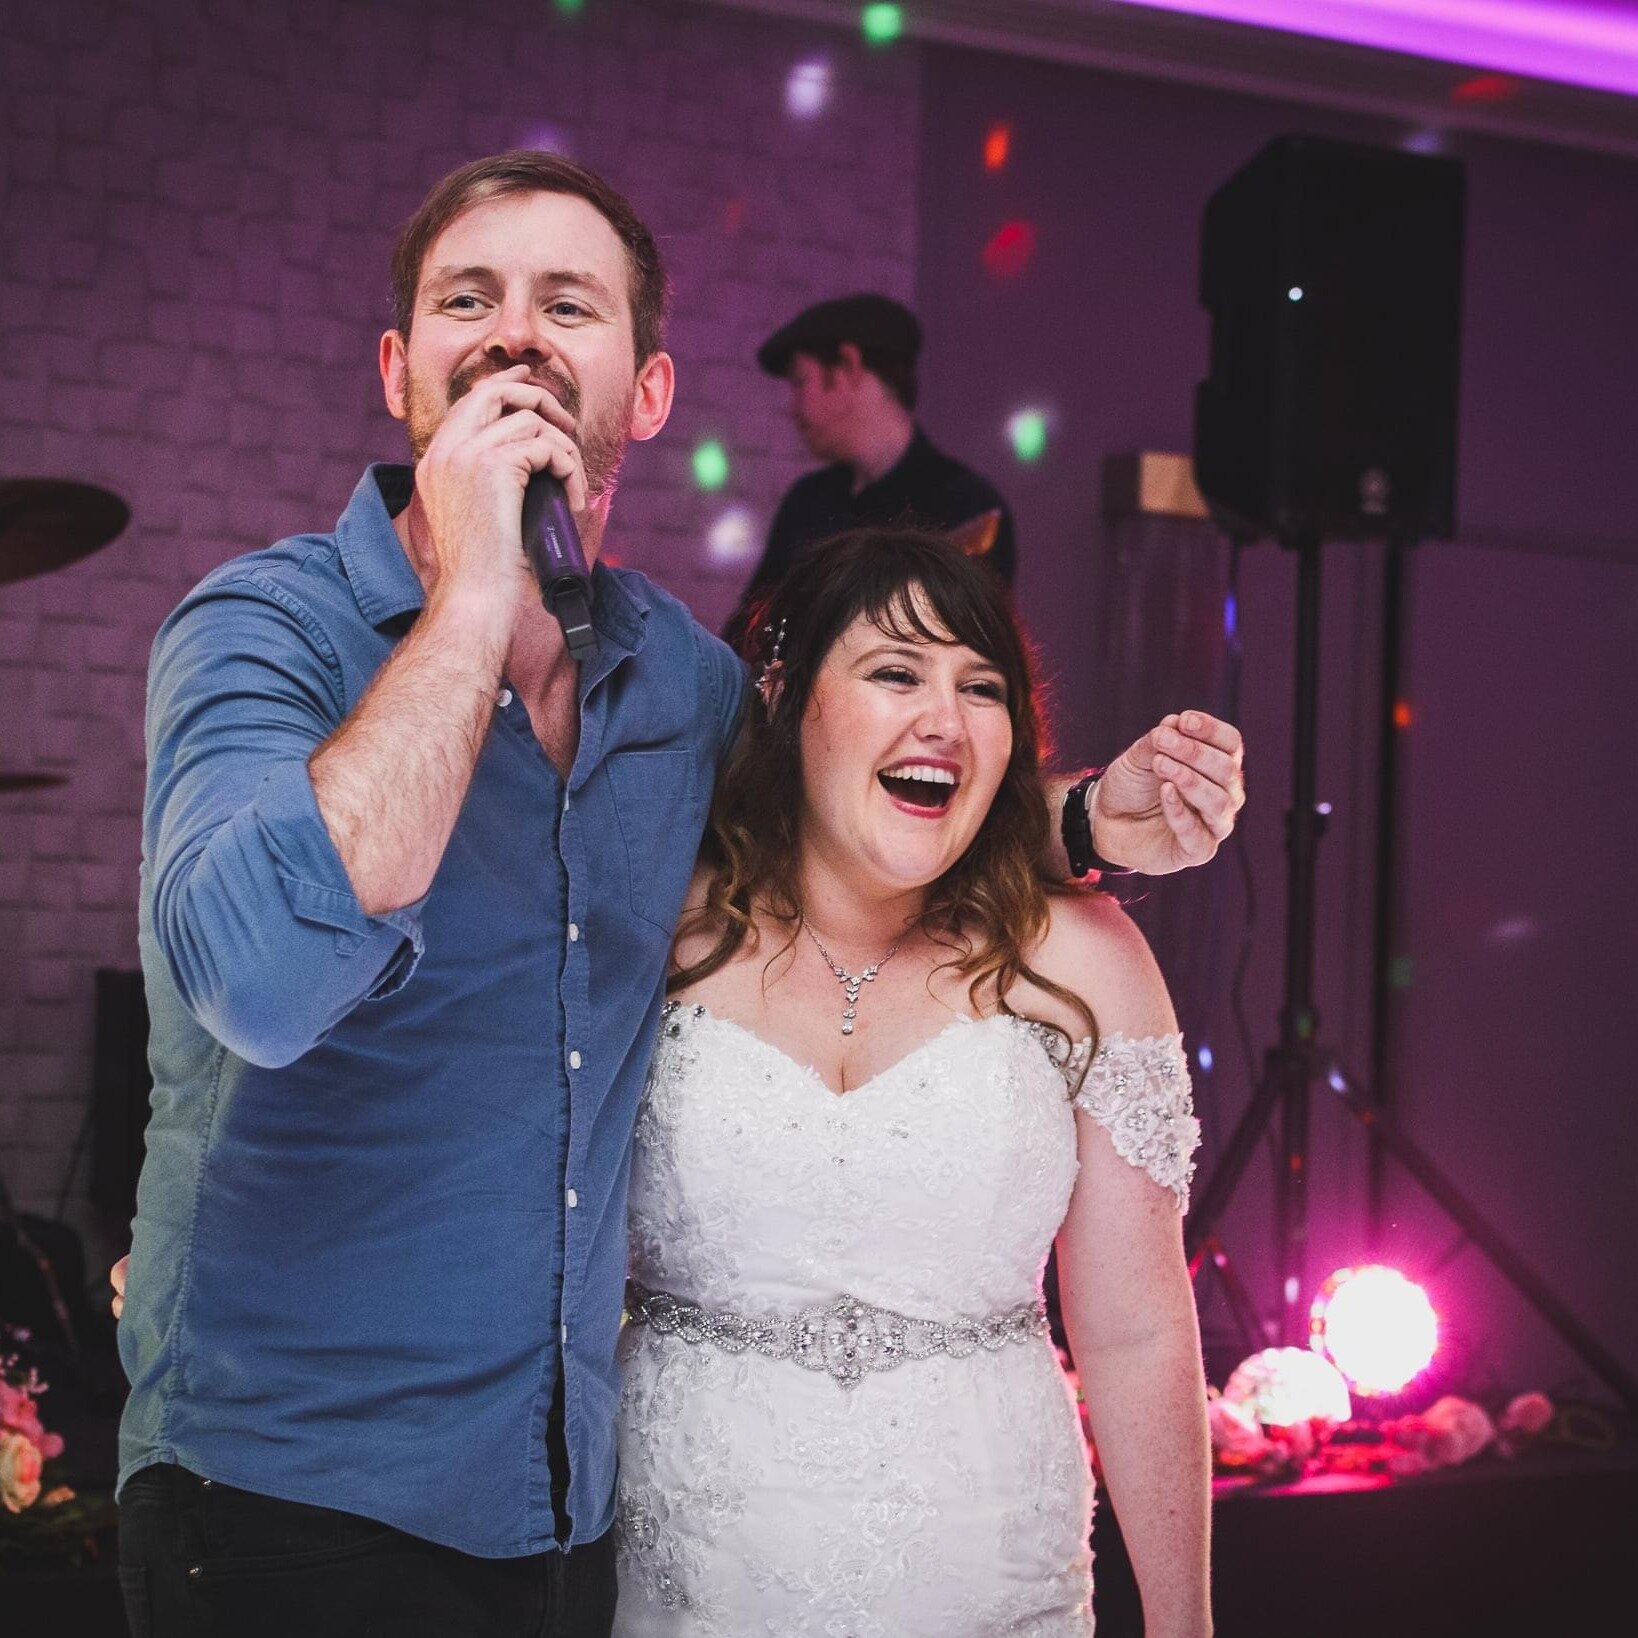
[(1139, 1092)]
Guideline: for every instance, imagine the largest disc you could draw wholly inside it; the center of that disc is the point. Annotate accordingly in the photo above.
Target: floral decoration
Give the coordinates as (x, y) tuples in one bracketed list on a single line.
[(1452, 1430), (39, 1515)]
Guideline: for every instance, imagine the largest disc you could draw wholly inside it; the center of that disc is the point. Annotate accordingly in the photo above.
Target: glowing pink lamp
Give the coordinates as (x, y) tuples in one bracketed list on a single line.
[(1375, 1326)]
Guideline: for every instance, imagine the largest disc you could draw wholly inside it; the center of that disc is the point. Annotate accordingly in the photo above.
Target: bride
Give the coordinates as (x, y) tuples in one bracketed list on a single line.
[(895, 1066)]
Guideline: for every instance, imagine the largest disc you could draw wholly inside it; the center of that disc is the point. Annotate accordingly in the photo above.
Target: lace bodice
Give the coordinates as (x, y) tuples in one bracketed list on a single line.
[(948, 1496), (754, 1183)]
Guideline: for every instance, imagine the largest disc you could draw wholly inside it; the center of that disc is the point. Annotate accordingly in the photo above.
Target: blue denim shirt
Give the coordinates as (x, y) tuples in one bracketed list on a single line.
[(385, 1189)]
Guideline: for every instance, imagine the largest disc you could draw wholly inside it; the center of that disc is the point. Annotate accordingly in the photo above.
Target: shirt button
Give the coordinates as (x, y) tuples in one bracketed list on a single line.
[(574, 1060), (573, 1199), (564, 1334), (504, 698), (574, 933)]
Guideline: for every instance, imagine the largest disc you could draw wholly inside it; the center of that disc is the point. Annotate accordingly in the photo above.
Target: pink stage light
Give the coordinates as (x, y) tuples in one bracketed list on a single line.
[(1576, 42), (1010, 250), (1284, 1387), (1375, 1326), (1486, 88), (807, 89)]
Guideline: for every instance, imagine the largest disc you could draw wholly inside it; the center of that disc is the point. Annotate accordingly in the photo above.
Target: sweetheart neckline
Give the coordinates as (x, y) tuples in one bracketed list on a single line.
[(808, 1070)]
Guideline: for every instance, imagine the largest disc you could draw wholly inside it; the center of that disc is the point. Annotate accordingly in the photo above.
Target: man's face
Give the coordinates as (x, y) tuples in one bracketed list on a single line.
[(822, 405), (538, 279)]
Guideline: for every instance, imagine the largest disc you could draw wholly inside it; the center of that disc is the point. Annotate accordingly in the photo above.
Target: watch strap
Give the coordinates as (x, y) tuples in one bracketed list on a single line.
[(1076, 827)]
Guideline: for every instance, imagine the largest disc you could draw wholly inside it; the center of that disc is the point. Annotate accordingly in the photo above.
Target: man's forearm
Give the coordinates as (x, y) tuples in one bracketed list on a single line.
[(391, 780)]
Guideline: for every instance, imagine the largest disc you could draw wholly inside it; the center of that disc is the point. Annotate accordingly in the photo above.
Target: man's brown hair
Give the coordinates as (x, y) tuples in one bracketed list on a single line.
[(525, 170)]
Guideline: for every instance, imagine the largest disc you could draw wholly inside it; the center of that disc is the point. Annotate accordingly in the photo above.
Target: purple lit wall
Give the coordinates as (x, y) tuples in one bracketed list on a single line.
[(1510, 1057)]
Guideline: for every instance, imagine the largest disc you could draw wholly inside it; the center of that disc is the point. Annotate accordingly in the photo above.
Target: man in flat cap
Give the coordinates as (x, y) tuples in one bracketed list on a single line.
[(851, 366)]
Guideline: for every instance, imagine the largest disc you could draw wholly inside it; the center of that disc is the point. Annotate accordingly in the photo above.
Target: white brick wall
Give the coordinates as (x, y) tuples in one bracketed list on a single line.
[(199, 200)]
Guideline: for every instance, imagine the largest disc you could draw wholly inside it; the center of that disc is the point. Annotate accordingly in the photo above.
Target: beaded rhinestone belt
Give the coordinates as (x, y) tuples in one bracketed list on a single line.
[(844, 1339)]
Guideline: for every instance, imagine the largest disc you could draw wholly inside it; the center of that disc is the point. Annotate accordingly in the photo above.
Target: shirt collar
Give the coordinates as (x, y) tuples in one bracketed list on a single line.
[(916, 451), (386, 586), (384, 582)]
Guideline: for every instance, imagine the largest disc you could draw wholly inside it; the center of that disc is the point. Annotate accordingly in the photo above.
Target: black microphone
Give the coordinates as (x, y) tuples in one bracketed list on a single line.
[(552, 544)]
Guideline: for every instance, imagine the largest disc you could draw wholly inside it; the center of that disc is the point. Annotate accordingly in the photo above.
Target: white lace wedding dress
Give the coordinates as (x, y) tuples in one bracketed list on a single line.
[(949, 1495)]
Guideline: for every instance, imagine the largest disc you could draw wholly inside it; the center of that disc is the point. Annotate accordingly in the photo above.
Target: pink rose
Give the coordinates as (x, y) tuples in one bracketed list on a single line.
[(19, 1414), (19, 1472), (1234, 1430), (1457, 1430), (1408, 1432), (1528, 1413)]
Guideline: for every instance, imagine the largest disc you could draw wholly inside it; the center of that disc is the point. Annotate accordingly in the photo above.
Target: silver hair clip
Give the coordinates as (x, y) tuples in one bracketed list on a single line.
[(771, 667)]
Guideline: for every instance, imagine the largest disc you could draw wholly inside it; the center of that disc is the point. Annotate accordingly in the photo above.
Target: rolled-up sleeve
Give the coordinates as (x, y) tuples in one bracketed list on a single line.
[(253, 911)]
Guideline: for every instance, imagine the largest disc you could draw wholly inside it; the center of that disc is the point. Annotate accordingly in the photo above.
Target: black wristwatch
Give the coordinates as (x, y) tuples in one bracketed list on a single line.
[(1075, 825)]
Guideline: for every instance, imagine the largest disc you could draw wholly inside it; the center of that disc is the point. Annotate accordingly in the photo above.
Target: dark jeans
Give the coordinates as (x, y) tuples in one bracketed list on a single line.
[(199, 1559)]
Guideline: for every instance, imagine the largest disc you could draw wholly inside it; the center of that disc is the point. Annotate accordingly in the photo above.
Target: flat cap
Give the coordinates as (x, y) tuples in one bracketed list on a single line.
[(872, 323)]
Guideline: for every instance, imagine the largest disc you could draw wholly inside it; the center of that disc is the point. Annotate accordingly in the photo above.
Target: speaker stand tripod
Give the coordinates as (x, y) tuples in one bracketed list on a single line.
[(1300, 1060)]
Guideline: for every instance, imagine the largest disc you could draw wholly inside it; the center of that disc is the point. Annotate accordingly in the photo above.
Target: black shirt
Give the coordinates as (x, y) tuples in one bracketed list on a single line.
[(927, 489)]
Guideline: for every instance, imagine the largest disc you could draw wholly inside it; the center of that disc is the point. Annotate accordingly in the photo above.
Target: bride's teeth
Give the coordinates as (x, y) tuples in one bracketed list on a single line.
[(931, 776)]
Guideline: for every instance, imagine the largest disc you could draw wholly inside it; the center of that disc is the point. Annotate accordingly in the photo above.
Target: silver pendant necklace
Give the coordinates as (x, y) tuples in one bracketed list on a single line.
[(850, 982)]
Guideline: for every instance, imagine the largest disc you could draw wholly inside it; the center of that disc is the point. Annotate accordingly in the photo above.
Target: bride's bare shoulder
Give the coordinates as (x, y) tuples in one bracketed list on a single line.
[(1094, 949)]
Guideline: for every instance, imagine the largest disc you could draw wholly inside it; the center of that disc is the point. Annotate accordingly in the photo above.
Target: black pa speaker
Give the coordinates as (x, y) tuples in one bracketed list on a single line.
[(1333, 276)]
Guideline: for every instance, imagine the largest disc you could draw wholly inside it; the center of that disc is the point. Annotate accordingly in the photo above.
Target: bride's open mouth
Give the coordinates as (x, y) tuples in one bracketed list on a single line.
[(923, 787)]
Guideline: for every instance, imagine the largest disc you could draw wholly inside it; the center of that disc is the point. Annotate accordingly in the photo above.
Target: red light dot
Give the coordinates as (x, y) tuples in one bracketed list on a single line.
[(733, 216), (997, 145), (1403, 716), (1010, 251), (1486, 88)]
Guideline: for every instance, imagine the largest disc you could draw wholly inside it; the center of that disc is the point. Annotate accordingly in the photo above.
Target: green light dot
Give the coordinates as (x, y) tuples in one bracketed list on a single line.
[(569, 8), (882, 24), (1028, 432), (710, 465), (1400, 975)]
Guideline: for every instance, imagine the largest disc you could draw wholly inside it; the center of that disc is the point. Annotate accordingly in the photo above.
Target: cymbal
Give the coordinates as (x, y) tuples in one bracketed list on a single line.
[(48, 522), (29, 781)]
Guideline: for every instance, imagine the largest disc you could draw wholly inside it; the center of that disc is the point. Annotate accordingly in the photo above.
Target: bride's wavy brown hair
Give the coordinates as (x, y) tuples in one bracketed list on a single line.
[(990, 907)]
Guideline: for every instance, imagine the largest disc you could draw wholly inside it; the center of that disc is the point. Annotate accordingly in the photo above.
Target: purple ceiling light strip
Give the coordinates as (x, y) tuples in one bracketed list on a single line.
[(1577, 42)]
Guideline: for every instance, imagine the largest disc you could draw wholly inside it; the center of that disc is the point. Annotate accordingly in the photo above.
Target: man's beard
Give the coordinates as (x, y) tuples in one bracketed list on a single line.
[(600, 440)]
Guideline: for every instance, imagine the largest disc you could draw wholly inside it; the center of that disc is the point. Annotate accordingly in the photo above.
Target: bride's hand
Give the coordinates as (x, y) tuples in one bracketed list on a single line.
[(1170, 800)]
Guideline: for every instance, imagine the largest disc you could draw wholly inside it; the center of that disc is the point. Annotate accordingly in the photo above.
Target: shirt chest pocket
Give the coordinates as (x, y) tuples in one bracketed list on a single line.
[(661, 816)]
